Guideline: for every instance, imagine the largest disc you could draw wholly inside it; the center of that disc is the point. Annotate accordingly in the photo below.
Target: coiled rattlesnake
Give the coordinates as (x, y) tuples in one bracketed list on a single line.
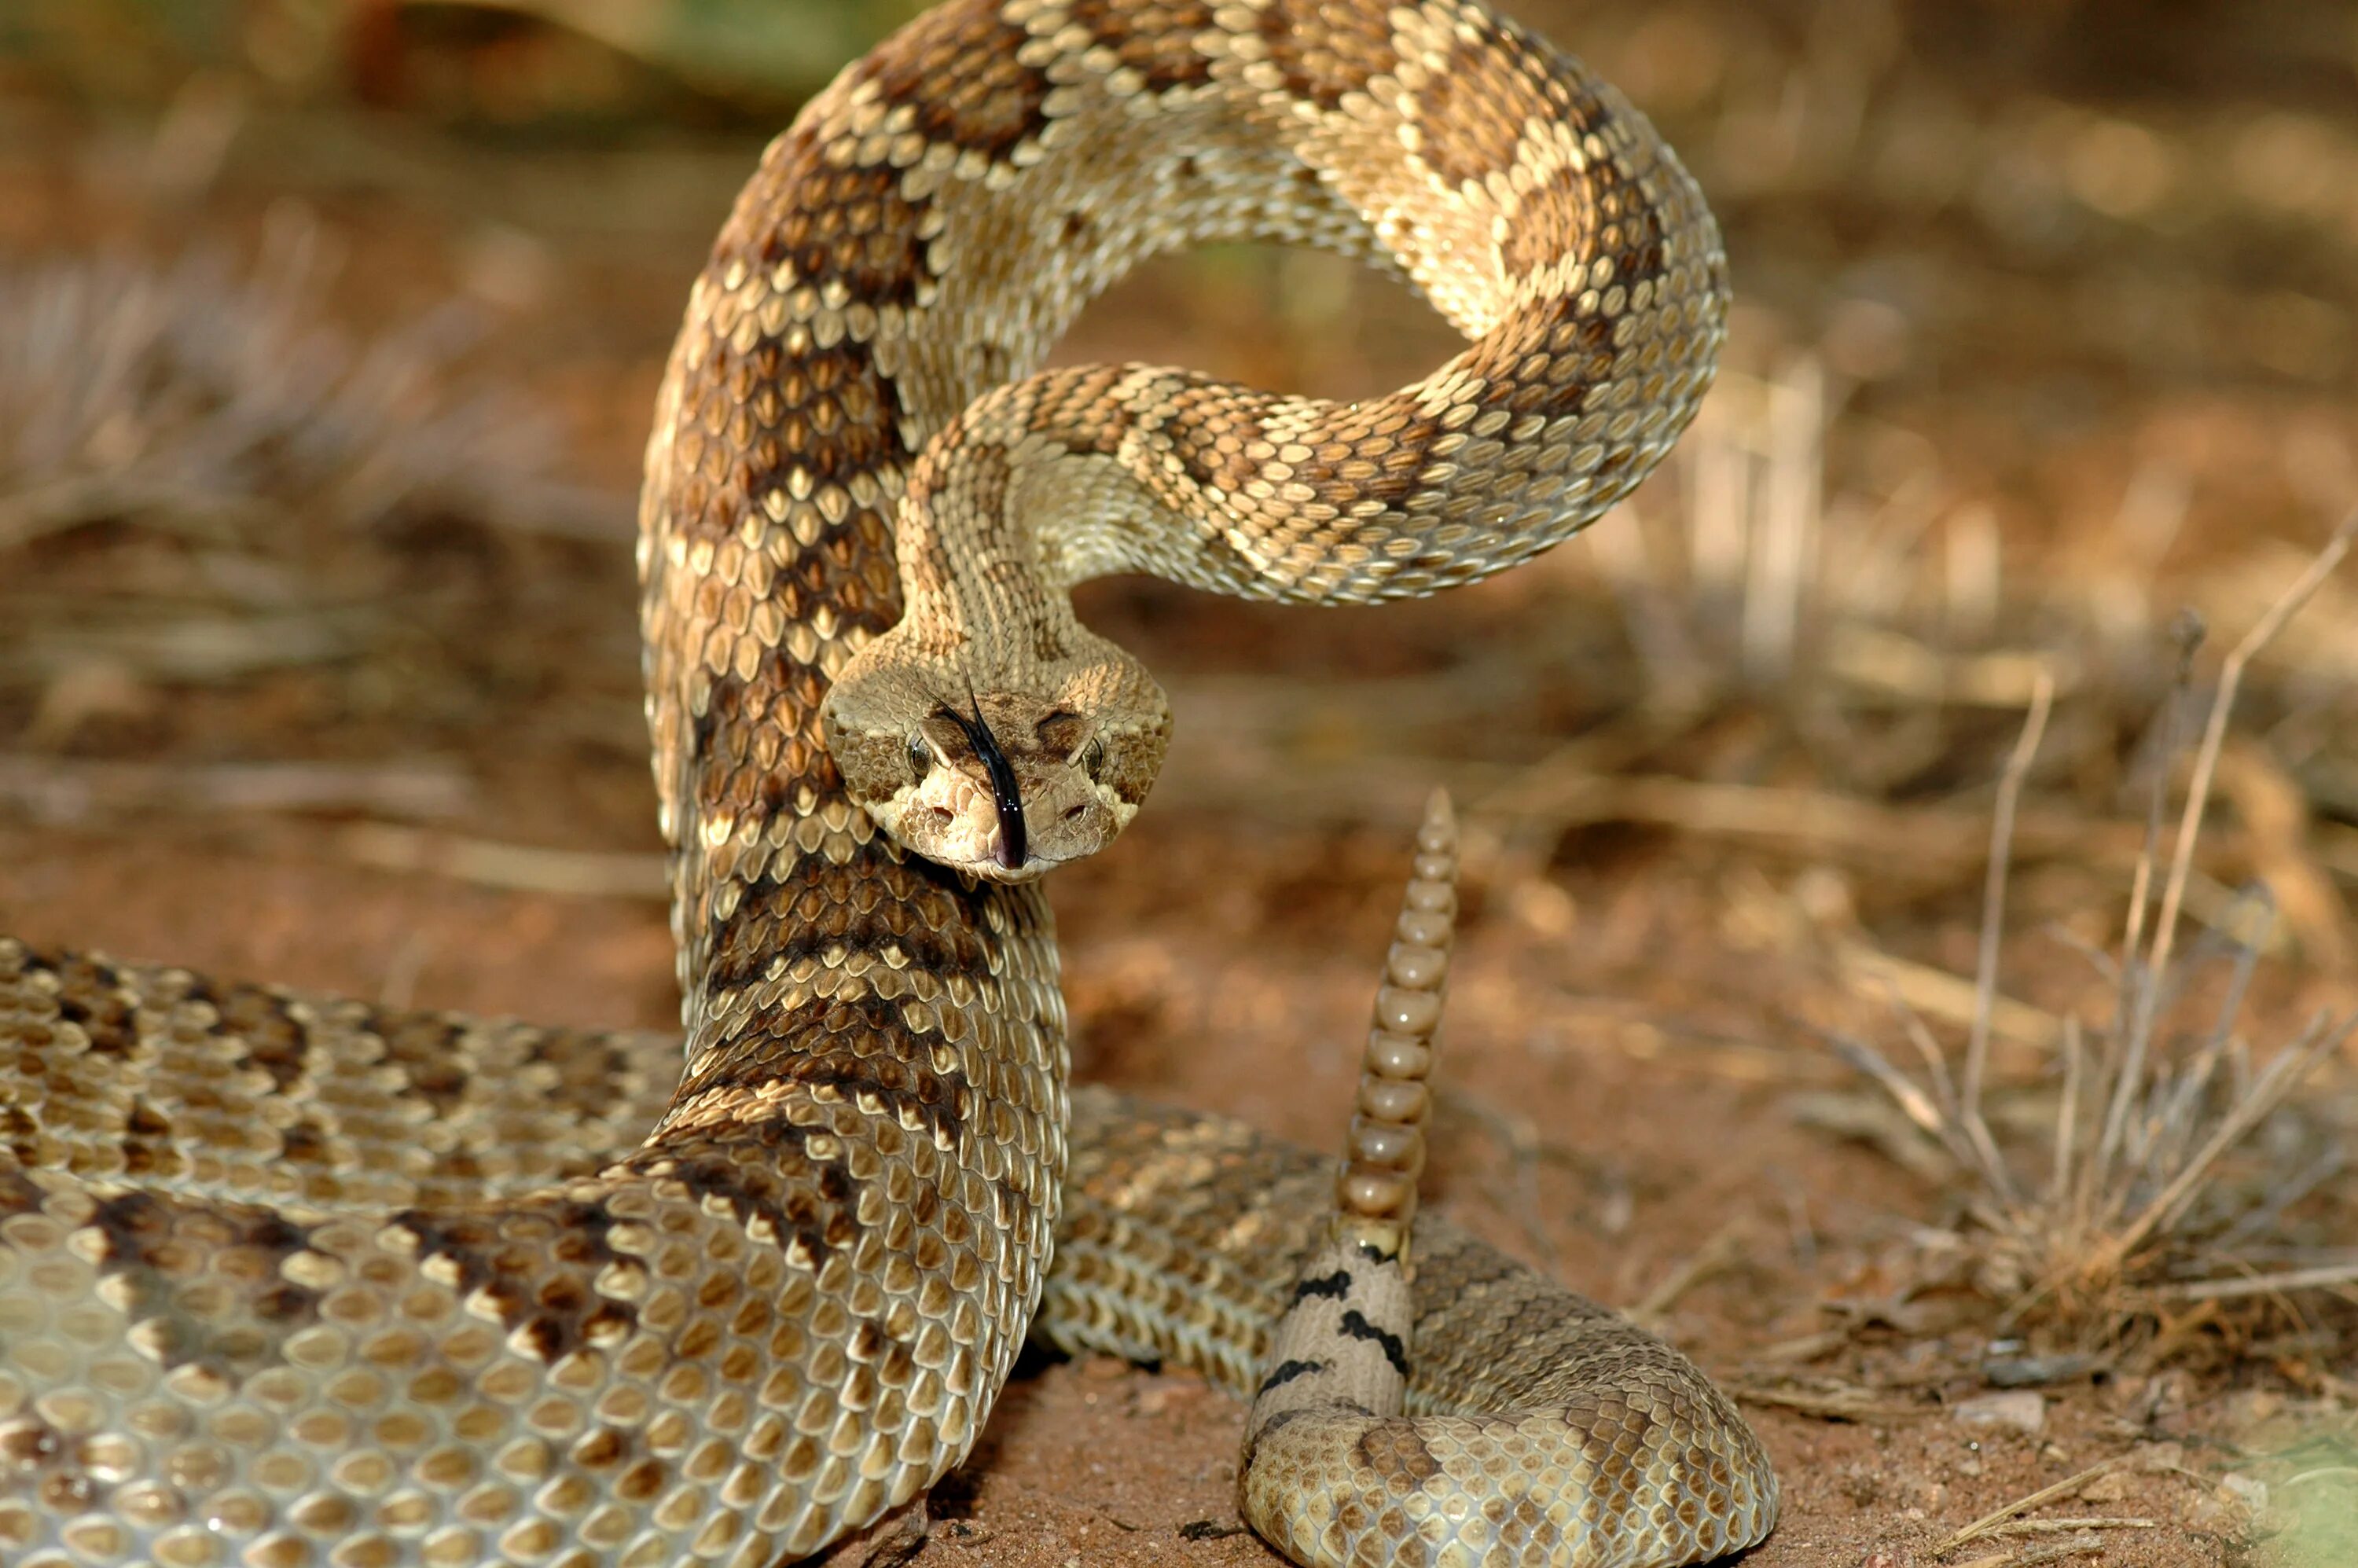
[(290, 1282)]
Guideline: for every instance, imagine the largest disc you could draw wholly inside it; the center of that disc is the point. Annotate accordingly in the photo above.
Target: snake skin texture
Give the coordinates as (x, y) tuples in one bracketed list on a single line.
[(290, 1282), (1531, 205)]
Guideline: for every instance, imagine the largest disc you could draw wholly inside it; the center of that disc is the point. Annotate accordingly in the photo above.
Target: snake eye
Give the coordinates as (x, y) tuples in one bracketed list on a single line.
[(1093, 759), (921, 758)]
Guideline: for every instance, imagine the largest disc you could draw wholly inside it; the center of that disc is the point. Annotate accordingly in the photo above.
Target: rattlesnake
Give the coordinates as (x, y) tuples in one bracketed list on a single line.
[(289, 1281)]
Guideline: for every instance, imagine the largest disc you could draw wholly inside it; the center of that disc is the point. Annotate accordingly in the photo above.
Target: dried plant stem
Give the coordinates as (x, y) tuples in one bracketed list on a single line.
[(2176, 1120), (2188, 633), (1848, 1405), (57, 790), (2282, 1077), (2067, 1114), (2214, 735), (1723, 1247), (2262, 1284), (2084, 1546), (2143, 978), (2123, 1039), (1980, 1152), (573, 873), (2064, 1487), (2134, 1210), (2009, 794), (2058, 1526)]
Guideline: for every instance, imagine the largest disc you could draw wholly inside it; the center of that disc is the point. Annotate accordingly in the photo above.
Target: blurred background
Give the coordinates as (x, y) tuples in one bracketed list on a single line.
[(328, 332)]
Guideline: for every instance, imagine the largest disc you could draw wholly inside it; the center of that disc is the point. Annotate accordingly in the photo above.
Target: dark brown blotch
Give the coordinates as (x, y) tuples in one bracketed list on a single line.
[(263, 1022), (833, 418), (1554, 221), (18, 1193), (870, 901), (960, 70), (763, 1172), (162, 1247), (425, 1046), (1062, 732), (150, 1148), (29, 1444), (603, 1449), (1156, 39), (862, 1049), (90, 996), (534, 1283), (1391, 1452), (847, 224), (1327, 52)]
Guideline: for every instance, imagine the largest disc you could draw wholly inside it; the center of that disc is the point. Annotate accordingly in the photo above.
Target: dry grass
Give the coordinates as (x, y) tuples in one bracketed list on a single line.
[(199, 398), (2154, 1192), (207, 486)]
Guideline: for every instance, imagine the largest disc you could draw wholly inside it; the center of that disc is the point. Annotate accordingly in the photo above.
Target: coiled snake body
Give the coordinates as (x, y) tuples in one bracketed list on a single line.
[(289, 1281)]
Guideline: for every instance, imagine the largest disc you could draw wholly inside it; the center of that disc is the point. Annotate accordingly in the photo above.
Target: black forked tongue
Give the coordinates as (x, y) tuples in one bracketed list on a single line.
[(1004, 795)]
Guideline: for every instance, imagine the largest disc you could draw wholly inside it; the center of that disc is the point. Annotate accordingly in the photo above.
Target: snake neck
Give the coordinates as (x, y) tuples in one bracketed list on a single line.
[(930, 223)]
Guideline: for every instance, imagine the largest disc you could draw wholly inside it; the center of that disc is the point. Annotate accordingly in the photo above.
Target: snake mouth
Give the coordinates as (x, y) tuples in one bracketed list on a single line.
[(1006, 797)]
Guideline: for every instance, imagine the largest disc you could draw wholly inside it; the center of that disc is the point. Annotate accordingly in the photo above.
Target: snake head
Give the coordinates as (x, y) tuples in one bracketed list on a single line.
[(1002, 772)]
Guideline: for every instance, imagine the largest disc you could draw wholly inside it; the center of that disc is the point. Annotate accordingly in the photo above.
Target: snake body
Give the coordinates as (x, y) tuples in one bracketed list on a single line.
[(287, 1282)]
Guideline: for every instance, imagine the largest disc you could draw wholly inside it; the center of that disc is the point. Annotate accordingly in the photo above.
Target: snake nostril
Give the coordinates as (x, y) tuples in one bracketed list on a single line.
[(1073, 811)]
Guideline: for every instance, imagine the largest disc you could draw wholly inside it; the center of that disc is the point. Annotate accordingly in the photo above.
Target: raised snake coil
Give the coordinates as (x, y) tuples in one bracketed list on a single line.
[(286, 1282)]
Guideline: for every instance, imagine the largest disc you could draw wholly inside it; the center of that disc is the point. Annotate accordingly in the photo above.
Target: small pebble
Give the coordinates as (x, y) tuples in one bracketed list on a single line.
[(2248, 1491), (2017, 1410), (2252, 1407), (2109, 1488)]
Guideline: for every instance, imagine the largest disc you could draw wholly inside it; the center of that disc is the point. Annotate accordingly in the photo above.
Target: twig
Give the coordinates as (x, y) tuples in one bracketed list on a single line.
[(2063, 1487), (2283, 1076), (1883, 1126), (2125, 1045), (2188, 630), (2329, 1163), (2261, 1285), (1723, 1247), (51, 790), (2009, 791), (2081, 1547), (1924, 989), (2177, 1120), (578, 873), (2058, 1526), (2323, 1473), (1857, 1406), (1918, 1106), (1983, 1152), (2067, 1113), (2214, 735), (2145, 978)]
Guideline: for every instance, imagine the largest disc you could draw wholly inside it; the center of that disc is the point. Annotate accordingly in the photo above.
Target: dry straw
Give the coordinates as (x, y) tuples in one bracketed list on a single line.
[(2131, 1212)]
